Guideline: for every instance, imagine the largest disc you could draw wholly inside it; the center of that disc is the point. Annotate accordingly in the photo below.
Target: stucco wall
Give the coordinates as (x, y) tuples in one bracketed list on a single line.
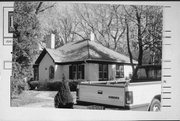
[(44, 67), (92, 72), (58, 72), (127, 71), (65, 71)]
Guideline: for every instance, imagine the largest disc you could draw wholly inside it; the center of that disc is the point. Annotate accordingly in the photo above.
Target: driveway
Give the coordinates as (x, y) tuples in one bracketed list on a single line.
[(48, 99), (46, 96)]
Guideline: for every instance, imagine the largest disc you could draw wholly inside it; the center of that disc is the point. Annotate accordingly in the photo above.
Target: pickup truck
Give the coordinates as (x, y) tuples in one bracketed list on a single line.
[(141, 92)]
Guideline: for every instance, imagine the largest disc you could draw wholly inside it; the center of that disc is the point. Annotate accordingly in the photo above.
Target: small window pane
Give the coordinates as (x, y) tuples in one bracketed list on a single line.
[(100, 75), (105, 75), (105, 67), (100, 67)]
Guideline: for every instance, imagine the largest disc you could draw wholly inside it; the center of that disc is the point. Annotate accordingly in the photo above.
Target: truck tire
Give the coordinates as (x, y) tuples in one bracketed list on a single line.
[(155, 105)]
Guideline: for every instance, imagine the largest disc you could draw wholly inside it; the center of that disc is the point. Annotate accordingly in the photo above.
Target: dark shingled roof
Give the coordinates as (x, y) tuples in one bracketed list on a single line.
[(86, 50)]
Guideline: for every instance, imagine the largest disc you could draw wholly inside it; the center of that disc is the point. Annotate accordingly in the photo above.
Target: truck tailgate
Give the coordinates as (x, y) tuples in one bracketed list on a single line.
[(102, 94)]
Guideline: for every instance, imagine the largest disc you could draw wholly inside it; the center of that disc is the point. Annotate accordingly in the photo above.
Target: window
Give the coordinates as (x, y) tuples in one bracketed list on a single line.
[(119, 71), (103, 72), (76, 71), (36, 73), (51, 72), (80, 74)]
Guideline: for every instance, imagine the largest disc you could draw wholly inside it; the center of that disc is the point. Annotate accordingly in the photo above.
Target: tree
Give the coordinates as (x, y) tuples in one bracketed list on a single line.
[(26, 36), (128, 44), (103, 20), (62, 22), (148, 29)]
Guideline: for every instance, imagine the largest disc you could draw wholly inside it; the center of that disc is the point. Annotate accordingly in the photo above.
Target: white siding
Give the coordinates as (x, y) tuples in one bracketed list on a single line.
[(44, 65)]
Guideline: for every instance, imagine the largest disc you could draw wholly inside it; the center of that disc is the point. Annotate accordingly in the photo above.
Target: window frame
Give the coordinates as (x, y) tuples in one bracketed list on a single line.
[(36, 73), (103, 71), (119, 71), (76, 71), (51, 72)]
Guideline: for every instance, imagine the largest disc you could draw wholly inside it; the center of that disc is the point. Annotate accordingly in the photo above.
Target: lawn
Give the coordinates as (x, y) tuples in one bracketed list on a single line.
[(28, 97)]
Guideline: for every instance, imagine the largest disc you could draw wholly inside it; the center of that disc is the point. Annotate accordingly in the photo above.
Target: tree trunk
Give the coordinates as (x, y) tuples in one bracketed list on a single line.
[(128, 45), (140, 57)]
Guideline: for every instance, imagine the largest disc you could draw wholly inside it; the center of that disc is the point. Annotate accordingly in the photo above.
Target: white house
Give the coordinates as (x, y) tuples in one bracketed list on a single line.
[(84, 60)]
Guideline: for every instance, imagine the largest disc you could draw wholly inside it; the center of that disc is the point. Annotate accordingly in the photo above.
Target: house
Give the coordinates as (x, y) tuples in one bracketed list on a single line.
[(84, 60)]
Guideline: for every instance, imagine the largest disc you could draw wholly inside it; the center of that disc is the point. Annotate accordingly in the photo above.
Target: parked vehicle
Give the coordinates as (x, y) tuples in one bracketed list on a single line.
[(141, 92)]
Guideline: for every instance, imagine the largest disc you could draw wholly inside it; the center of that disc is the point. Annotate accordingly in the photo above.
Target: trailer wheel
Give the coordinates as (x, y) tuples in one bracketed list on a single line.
[(155, 105)]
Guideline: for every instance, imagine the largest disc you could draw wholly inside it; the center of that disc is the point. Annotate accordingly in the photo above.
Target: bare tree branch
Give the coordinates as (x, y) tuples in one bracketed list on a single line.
[(38, 8), (46, 8)]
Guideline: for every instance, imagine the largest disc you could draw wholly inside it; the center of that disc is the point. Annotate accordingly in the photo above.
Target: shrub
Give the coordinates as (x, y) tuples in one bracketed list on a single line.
[(42, 86), (17, 86), (54, 85), (33, 85)]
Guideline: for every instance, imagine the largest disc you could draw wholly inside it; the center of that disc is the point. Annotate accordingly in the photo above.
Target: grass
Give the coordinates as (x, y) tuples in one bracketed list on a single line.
[(26, 97), (53, 94)]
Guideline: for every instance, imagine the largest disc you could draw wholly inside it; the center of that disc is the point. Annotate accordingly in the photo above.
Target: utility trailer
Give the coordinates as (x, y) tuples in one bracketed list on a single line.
[(141, 92)]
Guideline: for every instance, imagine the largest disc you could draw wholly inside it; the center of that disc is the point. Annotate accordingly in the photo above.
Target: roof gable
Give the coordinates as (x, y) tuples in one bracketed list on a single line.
[(41, 56)]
